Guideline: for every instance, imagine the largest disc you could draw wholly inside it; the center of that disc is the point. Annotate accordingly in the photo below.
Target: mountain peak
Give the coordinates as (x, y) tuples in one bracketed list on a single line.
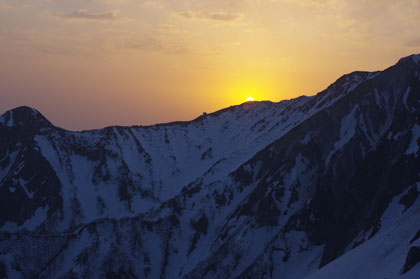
[(24, 116), (414, 58)]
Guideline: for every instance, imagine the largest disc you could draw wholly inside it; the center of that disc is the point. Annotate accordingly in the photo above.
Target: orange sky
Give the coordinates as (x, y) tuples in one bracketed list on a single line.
[(93, 63)]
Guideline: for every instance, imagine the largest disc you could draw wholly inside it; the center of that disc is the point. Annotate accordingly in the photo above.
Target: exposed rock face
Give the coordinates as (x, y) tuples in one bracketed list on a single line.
[(413, 258), (313, 186)]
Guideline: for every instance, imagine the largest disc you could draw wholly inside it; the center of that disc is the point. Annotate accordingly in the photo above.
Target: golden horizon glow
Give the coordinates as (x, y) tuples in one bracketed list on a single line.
[(125, 62)]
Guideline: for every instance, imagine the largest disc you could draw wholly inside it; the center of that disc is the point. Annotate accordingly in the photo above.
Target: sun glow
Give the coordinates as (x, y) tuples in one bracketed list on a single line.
[(249, 99)]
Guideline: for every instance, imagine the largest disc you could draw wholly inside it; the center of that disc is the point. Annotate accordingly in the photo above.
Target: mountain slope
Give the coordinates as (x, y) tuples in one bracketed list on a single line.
[(123, 171), (306, 187)]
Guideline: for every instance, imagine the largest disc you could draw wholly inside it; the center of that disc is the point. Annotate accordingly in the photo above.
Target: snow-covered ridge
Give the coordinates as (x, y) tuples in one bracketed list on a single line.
[(383, 255), (252, 191), (158, 161)]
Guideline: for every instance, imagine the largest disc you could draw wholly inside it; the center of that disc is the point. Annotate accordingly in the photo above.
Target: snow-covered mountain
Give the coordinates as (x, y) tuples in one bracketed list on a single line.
[(315, 187)]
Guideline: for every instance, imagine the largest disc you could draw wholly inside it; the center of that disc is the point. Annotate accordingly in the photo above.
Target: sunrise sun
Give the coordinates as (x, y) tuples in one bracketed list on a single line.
[(249, 99)]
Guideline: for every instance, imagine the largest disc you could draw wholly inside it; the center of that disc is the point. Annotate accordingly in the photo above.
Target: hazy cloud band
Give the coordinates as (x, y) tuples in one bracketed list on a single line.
[(86, 15), (217, 16)]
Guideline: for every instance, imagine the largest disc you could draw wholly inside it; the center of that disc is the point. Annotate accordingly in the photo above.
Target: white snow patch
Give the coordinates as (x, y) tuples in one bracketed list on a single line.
[(407, 92), (22, 183), (6, 170), (303, 260), (306, 139), (86, 194), (397, 135), (414, 147), (30, 224), (52, 156), (377, 98), (353, 85), (252, 242), (347, 131), (372, 75), (386, 251), (363, 126), (10, 123)]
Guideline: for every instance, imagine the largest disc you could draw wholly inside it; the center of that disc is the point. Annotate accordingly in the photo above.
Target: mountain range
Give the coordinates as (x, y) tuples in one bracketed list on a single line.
[(324, 186)]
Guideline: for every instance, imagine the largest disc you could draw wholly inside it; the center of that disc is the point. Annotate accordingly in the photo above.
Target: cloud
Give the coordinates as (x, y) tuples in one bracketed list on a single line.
[(13, 34), (169, 29), (144, 44), (85, 15), (158, 45), (62, 50), (216, 16), (152, 4), (3, 5), (112, 2), (413, 43)]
